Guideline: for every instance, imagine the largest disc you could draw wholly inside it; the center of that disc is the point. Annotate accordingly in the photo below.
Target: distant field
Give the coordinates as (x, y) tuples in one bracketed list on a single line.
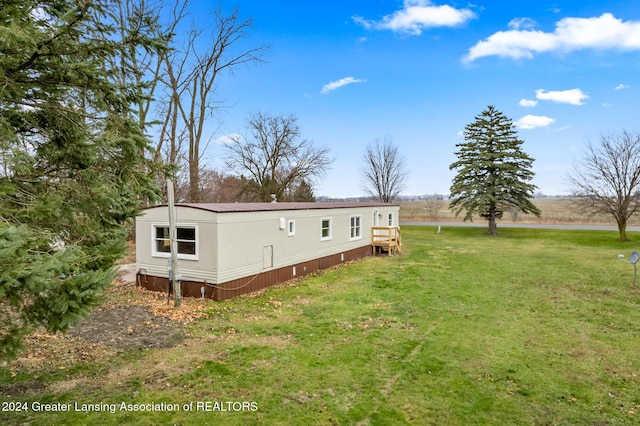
[(555, 210), (534, 327)]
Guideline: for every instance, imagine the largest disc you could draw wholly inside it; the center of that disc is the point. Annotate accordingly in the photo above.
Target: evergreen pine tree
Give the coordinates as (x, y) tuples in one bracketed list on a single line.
[(72, 168), (303, 192), (493, 171)]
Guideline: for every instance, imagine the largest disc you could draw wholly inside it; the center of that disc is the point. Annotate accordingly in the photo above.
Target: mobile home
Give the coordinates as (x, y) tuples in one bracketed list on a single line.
[(229, 249)]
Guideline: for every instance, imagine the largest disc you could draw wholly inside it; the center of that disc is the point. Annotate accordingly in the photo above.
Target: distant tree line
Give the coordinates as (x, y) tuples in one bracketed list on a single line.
[(216, 186)]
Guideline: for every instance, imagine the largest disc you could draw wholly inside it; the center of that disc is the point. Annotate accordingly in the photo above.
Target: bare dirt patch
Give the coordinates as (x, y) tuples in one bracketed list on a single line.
[(130, 318), (126, 327)]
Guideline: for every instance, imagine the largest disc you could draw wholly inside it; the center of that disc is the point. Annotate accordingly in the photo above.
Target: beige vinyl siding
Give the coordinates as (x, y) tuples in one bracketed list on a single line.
[(202, 268), (231, 245), (249, 232)]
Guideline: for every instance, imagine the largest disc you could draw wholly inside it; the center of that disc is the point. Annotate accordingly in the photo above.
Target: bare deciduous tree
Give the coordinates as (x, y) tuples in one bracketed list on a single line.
[(608, 178), (276, 158), (433, 204), (165, 78), (384, 171), (142, 67), (191, 76)]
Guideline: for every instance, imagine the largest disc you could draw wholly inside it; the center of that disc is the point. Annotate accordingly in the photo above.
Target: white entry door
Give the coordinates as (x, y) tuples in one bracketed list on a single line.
[(267, 257)]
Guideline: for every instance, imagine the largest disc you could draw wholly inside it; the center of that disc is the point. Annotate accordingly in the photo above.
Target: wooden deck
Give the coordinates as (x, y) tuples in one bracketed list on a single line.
[(387, 238)]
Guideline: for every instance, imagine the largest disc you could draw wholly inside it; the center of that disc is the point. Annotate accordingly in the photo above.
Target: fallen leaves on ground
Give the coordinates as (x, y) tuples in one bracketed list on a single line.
[(158, 303), (56, 349), (43, 349)]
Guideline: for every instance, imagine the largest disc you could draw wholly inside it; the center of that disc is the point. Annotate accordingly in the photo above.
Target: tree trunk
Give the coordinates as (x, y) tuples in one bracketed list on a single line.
[(492, 220), (622, 229), (194, 182)]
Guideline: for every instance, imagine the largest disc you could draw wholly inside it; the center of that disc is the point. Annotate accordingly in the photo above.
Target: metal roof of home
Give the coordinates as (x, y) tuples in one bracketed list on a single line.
[(257, 207)]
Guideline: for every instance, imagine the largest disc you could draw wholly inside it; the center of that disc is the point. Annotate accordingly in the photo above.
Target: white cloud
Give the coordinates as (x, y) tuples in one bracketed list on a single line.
[(621, 86), (528, 102), (418, 15), (534, 121), (570, 34), (228, 139), (329, 87), (572, 96), (521, 23)]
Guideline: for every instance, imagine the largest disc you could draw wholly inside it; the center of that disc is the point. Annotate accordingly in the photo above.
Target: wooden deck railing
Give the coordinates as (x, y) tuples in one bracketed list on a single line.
[(387, 238)]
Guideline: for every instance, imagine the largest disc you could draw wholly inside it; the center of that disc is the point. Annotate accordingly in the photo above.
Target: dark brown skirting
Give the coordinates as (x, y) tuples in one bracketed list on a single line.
[(252, 283)]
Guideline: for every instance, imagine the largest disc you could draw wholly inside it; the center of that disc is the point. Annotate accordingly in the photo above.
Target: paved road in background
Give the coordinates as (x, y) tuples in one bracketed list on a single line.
[(520, 225)]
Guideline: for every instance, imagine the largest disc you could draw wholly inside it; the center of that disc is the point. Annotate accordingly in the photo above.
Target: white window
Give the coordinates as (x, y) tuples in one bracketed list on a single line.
[(291, 227), (355, 228), (187, 241), (375, 217), (390, 219), (325, 231)]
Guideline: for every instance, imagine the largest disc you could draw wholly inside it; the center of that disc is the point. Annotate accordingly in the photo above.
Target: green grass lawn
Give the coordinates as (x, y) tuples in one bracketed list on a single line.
[(533, 327)]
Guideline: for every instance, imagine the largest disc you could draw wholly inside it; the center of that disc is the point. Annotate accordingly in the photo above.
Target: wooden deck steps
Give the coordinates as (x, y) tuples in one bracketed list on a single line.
[(387, 238)]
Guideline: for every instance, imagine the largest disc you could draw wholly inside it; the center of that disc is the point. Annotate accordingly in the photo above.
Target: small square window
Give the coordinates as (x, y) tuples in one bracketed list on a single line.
[(325, 229)]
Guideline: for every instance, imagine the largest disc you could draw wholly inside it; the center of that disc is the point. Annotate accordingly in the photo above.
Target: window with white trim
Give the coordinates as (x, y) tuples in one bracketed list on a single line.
[(291, 227), (325, 229), (355, 228), (390, 219), (186, 239)]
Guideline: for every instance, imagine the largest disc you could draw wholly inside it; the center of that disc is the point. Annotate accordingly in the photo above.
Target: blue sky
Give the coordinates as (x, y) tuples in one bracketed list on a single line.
[(565, 72)]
